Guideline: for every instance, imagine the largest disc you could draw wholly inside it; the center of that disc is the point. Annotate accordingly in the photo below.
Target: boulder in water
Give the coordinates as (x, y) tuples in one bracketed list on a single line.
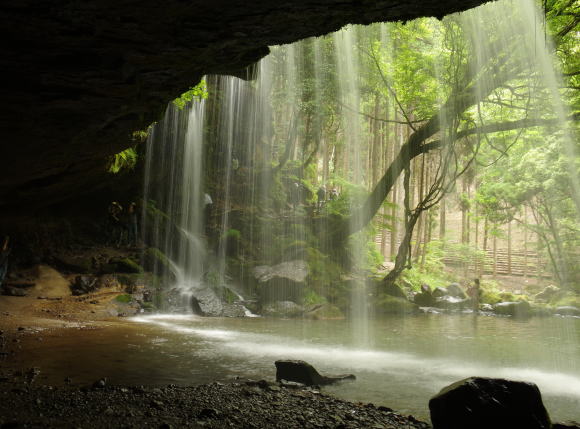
[(438, 292), (302, 372), (455, 290), (485, 403), (288, 309), (209, 303), (452, 303), (567, 310), (323, 312), (387, 304), (282, 282), (425, 298), (517, 309)]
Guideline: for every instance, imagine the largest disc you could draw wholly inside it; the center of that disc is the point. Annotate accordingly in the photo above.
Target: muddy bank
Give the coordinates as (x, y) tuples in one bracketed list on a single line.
[(243, 404)]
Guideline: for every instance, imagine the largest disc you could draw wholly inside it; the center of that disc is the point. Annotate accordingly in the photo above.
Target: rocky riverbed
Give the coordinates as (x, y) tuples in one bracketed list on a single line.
[(240, 404)]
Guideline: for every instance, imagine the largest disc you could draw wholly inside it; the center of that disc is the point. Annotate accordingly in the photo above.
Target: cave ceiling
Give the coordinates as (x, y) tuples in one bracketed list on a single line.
[(80, 76)]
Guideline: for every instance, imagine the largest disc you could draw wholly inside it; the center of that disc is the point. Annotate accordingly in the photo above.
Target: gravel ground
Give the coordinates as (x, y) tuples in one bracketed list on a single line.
[(243, 404)]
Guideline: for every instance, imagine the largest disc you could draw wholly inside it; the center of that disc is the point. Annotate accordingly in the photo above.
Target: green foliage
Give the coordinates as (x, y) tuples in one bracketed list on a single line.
[(124, 298), (311, 298), (233, 234), (125, 160), (127, 265), (415, 277), (197, 92)]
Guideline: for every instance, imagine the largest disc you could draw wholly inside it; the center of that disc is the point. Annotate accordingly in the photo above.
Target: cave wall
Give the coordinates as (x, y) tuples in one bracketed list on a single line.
[(80, 76)]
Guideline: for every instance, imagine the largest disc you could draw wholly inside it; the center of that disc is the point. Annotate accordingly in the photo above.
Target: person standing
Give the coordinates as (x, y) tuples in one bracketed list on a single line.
[(321, 194), (4, 253), (474, 292), (115, 226), (132, 224)]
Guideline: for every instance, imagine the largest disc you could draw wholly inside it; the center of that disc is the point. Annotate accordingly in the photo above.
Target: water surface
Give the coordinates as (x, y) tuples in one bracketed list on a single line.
[(405, 362)]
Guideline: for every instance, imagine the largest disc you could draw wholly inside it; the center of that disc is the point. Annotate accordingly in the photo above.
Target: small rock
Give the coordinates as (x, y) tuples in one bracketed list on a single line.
[(100, 384), (157, 404), (207, 413)]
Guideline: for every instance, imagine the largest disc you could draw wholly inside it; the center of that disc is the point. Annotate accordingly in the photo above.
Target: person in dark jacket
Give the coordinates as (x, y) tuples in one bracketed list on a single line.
[(321, 194), (4, 253)]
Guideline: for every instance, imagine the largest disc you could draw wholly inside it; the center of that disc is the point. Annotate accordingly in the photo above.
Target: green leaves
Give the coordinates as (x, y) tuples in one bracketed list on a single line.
[(197, 92)]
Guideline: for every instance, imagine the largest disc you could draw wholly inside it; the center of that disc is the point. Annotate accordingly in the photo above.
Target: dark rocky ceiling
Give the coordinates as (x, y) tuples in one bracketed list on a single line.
[(79, 76)]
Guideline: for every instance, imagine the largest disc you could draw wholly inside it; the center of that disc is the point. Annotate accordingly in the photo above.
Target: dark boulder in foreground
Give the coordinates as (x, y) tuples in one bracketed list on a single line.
[(566, 425), (302, 372), (486, 403)]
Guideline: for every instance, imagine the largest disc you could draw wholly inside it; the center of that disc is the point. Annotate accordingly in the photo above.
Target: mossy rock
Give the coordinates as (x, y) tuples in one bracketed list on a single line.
[(324, 312), (489, 297), (569, 299), (123, 298), (155, 258), (283, 309), (387, 304), (517, 309), (129, 279), (127, 265), (148, 307)]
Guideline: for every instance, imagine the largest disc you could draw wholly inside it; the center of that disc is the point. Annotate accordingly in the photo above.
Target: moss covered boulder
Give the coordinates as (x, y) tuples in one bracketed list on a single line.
[(387, 304), (516, 309), (323, 312), (283, 309)]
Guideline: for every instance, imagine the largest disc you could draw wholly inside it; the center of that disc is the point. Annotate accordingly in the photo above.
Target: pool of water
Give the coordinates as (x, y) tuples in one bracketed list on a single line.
[(402, 363)]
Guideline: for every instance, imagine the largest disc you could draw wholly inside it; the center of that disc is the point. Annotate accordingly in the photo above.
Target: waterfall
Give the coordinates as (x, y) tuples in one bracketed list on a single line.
[(260, 149), (174, 198)]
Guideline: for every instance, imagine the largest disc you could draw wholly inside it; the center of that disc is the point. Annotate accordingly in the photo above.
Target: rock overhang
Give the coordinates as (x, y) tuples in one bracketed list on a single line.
[(80, 77)]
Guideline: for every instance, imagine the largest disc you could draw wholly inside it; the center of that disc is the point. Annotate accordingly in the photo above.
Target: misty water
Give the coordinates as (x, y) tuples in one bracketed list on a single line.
[(410, 359)]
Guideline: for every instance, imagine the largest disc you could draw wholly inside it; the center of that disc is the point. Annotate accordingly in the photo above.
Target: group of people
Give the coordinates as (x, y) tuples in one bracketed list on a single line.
[(322, 196), (122, 225)]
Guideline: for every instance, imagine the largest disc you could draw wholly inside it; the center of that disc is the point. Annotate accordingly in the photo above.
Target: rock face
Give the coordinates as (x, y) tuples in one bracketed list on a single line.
[(302, 372), (282, 282), (485, 403), (85, 75)]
